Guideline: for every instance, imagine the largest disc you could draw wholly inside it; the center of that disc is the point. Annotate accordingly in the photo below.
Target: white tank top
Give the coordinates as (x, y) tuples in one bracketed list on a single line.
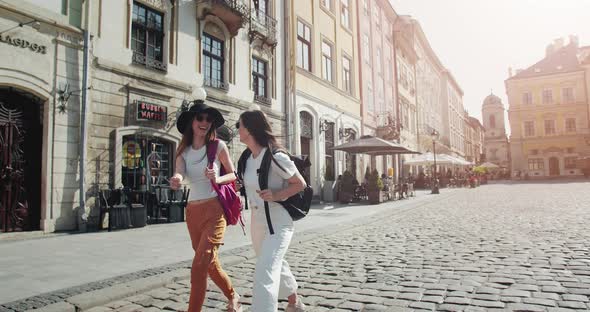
[(196, 162)]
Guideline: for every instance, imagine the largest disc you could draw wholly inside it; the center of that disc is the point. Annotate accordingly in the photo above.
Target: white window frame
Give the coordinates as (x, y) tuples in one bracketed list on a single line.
[(328, 61)]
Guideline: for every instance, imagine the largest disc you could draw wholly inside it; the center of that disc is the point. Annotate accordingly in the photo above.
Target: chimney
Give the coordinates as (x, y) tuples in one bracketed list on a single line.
[(574, 41), (509, 72)]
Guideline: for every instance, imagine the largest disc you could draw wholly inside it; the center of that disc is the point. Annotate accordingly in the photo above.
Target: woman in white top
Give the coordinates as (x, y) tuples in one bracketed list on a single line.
[(204, 215), (272, 276)]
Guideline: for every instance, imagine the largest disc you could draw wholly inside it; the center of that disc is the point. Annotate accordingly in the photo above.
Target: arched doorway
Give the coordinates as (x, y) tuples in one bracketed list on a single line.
[(554, 166), (21, 143), (306, 137)]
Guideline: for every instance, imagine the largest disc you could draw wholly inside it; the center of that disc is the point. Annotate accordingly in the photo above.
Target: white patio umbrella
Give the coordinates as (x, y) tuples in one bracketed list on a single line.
[(427, 159), (489, 165)]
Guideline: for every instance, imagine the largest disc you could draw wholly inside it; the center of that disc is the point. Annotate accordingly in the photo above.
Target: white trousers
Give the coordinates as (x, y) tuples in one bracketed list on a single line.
[(272, 277)]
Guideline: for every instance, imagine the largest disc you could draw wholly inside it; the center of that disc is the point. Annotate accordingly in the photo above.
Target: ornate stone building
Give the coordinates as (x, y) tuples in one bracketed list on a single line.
[(496, 147)]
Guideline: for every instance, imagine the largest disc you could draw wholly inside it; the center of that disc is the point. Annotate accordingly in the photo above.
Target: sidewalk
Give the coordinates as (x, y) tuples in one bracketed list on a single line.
[(155, 254)]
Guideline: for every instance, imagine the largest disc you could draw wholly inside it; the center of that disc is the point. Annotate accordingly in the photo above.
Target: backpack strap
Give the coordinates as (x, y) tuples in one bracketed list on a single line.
[(212, 151), (240, 173), (263, 184)]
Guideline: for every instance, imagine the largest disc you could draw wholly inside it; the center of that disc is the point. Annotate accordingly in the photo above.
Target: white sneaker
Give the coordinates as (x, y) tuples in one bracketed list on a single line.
[(297, 307)]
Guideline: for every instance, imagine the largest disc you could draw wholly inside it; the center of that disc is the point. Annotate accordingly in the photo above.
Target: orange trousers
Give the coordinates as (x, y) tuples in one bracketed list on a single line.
[(206, 225)]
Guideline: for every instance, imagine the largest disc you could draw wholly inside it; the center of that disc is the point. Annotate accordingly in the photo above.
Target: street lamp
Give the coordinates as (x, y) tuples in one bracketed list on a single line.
[(434, 135)]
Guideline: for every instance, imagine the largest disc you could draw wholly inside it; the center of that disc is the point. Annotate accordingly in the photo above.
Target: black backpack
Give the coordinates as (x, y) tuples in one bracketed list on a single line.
[(297, 205)]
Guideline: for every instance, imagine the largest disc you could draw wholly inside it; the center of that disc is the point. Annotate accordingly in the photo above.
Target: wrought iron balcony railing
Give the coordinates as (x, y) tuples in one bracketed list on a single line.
[(141, 59), (263, 26), (262, 99)]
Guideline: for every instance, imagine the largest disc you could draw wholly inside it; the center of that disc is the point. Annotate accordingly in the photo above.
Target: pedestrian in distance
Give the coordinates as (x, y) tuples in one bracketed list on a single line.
[(273, 278), (205, 218)]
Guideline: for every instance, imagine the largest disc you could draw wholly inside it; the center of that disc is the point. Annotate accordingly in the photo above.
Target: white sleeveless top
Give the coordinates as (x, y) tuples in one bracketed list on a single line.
[(196, 161)]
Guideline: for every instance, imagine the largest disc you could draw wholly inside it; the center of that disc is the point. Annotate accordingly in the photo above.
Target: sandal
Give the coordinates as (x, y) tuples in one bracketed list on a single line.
[(238, 305)]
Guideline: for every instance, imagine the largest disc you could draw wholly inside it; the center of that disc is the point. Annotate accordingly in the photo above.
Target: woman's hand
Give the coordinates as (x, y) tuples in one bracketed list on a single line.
[(266, 195), (210, 174), (175, 182)]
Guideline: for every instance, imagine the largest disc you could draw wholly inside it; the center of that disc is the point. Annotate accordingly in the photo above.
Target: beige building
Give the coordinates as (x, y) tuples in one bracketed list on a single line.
[(377, 75), (324, 105), (452, 136), (474, 138), (41, 45), (496, 148), (146, 58), (549, 112)]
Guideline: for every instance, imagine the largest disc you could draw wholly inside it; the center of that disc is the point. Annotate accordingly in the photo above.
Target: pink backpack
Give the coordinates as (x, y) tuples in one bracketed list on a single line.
[(229, 199)]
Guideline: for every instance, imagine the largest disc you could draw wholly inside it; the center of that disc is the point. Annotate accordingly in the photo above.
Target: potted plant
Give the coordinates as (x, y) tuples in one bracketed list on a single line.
[(346, 192), (328, 187), (375, 188)]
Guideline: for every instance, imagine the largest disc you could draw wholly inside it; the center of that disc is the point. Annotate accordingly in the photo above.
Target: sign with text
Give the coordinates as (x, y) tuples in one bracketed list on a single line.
[(152, 112)]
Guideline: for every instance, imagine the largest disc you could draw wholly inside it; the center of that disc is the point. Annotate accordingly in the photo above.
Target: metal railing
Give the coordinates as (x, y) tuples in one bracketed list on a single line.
[(215, 83), (238, 6), (263, 24), (141, 59), (262, 99)]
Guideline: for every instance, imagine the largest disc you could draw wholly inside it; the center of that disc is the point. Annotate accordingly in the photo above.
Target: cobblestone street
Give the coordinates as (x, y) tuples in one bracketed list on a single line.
[(498, 247)]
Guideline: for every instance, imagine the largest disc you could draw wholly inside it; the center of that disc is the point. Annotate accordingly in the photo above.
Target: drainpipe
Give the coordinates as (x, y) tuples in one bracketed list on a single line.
[(83, 216), (287, 72)]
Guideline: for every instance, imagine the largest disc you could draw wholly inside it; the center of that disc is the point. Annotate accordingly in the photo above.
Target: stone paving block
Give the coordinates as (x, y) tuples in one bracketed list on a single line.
[(572, 304), (410, 296), (99, 309), (552, 296), (515, 293), (523, 307), (363, 298), (450, 307), (347, 305), (487, 290), (487, 297), (487, 304), (540, 301), (423, 305), (129, 308), (510, 299), (568, 297)]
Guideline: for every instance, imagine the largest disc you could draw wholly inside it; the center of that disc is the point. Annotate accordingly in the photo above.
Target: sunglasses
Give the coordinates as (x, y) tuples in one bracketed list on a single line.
[(237, 125), (202, 117)]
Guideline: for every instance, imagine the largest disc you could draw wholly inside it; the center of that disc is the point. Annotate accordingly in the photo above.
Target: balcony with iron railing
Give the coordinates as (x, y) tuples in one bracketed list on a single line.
[(233, 13), (141, 59), (263, 27)]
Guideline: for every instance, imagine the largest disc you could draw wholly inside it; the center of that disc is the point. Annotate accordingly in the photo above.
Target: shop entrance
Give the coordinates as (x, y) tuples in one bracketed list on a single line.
[(20, 160)]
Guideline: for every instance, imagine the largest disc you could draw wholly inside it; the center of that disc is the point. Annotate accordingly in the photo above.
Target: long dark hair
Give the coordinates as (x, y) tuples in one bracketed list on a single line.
[(188, 134), (256, 123)]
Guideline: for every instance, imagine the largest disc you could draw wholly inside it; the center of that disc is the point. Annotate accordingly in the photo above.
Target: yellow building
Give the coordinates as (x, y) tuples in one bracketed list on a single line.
[(323, 101), (549, 113)]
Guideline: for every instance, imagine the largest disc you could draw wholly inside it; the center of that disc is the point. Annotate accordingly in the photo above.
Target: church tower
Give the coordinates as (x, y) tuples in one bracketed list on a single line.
[(496, 147)]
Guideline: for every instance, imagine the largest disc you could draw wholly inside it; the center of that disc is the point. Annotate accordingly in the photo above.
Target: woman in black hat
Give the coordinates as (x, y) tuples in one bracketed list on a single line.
[(204, 214)]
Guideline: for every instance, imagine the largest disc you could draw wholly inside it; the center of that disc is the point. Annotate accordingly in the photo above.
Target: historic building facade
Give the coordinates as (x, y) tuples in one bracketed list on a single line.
[(146, 58), (39, 126), (549, 112), (323, 100)]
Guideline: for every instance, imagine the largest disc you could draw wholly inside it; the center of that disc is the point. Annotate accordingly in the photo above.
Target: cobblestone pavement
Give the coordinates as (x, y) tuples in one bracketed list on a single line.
[(522, 247)]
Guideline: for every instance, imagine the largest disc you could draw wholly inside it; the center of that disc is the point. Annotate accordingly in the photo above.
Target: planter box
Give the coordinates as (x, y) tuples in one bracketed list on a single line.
[(376, 197)]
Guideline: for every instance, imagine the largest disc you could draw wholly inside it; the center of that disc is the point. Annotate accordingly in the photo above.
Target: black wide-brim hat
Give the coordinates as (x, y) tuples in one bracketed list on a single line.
[(185, 119)]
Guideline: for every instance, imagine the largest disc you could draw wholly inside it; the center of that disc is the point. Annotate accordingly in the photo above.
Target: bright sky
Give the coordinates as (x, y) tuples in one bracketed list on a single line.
[(477, 40)]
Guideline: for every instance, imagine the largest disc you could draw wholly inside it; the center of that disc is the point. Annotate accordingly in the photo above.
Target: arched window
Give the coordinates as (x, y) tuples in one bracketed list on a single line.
[(492, 121)]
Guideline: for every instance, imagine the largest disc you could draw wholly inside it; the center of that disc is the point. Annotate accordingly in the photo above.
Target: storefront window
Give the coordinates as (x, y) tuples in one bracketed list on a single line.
[(146, 162)]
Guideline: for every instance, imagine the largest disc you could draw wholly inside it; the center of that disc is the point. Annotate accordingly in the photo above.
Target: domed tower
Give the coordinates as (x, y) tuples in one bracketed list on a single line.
[(493, 116), (496, 148)]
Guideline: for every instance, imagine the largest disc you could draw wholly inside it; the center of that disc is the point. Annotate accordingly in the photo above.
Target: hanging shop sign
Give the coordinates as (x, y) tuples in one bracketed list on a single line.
[(25, 44), (152, 112)]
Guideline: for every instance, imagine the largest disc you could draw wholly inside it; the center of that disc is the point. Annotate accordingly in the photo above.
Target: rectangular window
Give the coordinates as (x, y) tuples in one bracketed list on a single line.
[(570, 162), (549, 127), (346, 81), (568, 95), (327, 61), (527, 98), (213, 61), (345, 13), (570, 125), (366, 48), (536, 164), (529, 128), (547, 96), (378, 62), (370, 95), (329, 143), (327, 4), (303, 46), (147, 37), (259, 79)]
